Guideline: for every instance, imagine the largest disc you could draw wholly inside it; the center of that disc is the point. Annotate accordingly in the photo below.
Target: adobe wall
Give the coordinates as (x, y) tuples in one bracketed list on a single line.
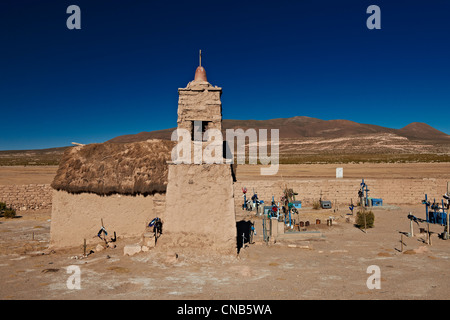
[(392, 191), (200, 207), (27, 197), (76, 217)]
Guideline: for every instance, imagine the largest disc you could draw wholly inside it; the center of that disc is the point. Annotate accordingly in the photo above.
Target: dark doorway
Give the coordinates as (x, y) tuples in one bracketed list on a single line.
[(244, 233)]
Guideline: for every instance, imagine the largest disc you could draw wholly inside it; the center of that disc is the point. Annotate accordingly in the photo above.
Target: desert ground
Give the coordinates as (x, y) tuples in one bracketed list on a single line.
[(332, 266), (351, 170), (45, 174), (27, 175)]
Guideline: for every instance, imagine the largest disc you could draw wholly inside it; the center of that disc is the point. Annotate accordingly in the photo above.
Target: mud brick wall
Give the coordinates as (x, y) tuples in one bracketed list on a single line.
[(27, 197), (392, 191)]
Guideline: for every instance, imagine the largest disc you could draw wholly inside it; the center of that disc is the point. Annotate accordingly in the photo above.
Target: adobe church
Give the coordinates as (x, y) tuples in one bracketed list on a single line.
[(123, 186)]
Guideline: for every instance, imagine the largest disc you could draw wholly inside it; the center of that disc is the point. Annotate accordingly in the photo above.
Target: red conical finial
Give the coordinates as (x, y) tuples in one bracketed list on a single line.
[(200, 73)]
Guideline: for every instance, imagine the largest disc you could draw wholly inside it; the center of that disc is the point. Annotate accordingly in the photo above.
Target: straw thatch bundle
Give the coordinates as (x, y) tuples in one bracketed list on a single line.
[(107, 168)]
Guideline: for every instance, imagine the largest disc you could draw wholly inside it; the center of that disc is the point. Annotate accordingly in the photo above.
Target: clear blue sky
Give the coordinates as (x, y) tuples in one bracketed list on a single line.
[(120, 73)]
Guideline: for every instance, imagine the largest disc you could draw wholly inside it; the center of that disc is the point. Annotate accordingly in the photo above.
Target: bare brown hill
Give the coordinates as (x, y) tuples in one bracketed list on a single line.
[(304, 140), (311, 140), (422, 131), (306, 127)]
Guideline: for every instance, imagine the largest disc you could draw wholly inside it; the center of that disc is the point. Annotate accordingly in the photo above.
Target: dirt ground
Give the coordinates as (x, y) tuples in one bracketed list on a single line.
[(350, 170), (45, 174), (27, 175), (332, 266)]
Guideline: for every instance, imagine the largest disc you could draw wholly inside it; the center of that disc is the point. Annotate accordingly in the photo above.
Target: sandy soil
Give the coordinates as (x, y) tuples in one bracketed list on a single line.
[(45, 174), (332, 267), (27, 175), (357, 171)]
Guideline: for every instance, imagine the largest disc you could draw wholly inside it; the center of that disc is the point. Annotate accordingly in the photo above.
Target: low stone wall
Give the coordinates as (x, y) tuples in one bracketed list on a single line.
[(392, 191), (27, 197)]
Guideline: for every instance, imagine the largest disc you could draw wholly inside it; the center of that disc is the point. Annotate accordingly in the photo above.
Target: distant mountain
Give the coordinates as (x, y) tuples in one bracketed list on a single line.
[(305, 127), (303, 140), (421, 131), (36, 157)]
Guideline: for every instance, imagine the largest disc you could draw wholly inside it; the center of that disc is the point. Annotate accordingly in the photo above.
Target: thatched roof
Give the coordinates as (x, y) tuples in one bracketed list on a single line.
[(107, 168)]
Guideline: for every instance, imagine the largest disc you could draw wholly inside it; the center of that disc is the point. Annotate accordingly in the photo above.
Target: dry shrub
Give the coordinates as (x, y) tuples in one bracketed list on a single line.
[(6, 211), (365, 219), (316, 205)]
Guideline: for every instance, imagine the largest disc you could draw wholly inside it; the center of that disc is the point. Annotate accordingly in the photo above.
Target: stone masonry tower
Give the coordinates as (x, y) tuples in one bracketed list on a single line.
[(200, 101), (199, 197)]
